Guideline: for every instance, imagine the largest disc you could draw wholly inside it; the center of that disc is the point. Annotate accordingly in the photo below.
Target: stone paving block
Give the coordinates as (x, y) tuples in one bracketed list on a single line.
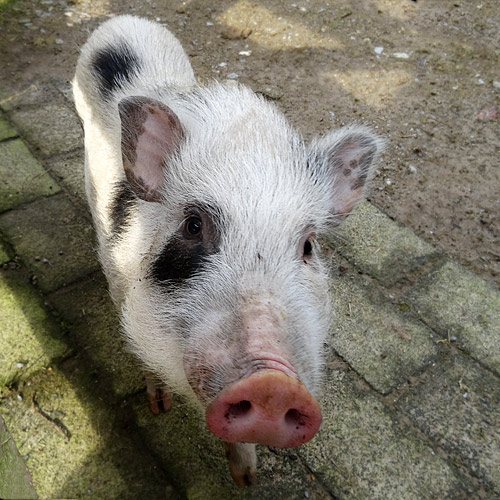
[(379, 246), (70, 173), (6, 131), (362, 452), (53, 240), (29, 94), (457, 404), (65, 88), (459, 304), (22, 177), (73, 442), (43, 115), (382, 343), (195, 460), (95, 329), (51, 127), (30, 338)]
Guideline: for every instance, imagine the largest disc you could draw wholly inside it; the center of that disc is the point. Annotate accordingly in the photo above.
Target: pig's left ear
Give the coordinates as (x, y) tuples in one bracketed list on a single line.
[(151, 134), (347, 159)]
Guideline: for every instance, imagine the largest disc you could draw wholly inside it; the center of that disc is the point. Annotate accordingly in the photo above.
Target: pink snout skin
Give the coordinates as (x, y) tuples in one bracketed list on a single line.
[(267, 407)]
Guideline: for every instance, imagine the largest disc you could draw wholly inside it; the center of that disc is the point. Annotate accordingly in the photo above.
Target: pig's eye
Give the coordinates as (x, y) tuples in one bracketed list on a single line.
[(192, 227), (308, 248)]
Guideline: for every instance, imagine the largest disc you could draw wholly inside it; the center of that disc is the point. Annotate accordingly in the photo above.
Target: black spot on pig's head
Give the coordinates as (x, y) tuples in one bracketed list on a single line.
[(122, 207), (113, 66), (188, 250)]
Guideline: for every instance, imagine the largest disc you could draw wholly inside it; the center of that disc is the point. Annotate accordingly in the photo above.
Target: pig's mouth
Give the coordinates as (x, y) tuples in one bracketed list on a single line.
[(267, 363), (207, 379)]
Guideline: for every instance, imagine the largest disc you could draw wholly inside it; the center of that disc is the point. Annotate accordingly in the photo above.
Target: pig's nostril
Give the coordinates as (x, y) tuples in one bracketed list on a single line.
[(239, 409), (293, 417)]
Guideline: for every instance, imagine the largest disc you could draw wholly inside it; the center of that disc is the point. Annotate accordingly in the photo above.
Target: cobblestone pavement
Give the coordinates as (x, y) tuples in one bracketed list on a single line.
[(411, 401)]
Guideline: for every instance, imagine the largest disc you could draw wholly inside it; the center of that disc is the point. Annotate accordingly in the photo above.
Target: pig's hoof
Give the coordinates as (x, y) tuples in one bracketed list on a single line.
[(159, 401), (157, 395), (244, 477), (242, 463)]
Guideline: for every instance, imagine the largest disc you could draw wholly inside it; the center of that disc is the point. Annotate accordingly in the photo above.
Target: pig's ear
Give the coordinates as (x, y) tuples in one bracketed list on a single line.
[(151, 134), (347, 158)]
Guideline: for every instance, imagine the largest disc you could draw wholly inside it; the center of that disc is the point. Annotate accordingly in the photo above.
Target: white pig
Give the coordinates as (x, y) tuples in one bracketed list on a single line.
[(207, 207)]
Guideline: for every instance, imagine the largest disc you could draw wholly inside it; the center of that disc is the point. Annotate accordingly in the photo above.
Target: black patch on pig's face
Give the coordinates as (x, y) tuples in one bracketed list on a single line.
[(114, 65), (123, 205), (187, 251)]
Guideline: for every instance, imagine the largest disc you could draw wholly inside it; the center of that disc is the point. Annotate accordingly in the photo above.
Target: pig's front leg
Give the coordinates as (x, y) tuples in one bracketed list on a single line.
[(157, 395), (242, 462)]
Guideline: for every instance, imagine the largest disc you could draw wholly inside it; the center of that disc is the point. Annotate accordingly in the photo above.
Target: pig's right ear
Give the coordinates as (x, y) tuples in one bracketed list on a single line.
[(346, 160), (151, 134)]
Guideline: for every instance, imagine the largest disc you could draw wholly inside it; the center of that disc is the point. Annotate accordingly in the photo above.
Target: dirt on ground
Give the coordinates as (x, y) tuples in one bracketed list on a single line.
[(425, 74)]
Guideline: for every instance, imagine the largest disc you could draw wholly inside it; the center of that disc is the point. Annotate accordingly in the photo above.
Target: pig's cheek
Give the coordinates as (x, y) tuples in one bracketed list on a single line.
[(201, 380), (206, 372)]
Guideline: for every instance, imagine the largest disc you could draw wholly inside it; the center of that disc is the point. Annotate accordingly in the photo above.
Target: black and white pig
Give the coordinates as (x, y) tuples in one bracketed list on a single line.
[(207, 206)]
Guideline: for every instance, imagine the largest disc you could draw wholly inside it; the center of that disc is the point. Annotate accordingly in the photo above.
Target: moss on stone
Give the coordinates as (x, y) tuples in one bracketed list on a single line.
[(456, 302), (30, 337), (6, 131), (74, 446), (362, 453), (15, 479), (5, 255)]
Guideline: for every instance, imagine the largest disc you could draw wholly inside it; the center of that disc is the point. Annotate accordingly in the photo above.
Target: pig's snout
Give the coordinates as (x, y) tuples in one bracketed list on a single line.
[(267, 407)]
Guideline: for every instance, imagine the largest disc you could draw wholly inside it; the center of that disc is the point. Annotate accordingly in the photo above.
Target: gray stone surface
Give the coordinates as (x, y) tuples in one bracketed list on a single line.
[(457, 404), (95, 328), (22, 177), (379, 246), (362, 452), (381, 342), (70, 173), (53, 239), (460, 304), (28, 94), (51, 127)]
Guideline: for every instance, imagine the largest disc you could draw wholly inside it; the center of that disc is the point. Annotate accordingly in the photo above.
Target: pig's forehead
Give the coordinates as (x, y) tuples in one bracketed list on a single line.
[(232, 123), (239, 149)]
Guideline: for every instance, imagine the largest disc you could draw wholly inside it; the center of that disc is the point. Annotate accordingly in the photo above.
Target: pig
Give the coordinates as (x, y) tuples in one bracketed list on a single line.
[(208, 207)]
